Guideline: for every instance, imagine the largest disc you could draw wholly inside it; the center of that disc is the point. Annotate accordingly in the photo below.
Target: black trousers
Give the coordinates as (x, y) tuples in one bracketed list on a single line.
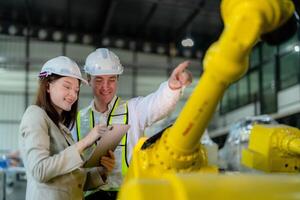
[(102, 195)]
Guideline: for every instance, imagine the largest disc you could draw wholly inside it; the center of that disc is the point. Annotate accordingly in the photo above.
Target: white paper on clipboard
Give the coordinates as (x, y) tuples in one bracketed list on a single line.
[(109, 141)]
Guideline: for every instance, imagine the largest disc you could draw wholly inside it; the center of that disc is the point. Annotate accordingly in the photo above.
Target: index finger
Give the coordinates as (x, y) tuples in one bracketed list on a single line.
[(181, 67), (111, 154), (102, 125)]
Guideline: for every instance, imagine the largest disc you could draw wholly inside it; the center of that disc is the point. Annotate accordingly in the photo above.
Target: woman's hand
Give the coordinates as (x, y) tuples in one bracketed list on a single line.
[(94, 135), (108, 161)]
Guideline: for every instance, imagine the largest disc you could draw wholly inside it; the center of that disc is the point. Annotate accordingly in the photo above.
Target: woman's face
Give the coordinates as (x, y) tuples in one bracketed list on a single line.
[(63, 93)]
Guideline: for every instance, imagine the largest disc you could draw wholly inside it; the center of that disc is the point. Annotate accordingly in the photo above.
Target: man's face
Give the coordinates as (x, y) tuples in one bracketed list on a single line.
[(104, 87)]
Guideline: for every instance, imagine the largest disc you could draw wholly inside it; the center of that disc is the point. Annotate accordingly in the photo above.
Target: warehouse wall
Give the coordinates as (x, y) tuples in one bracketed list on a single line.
[(142, 75)]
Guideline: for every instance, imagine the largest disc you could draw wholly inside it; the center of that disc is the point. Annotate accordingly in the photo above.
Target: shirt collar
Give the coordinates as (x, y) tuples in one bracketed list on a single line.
[(110, 105)]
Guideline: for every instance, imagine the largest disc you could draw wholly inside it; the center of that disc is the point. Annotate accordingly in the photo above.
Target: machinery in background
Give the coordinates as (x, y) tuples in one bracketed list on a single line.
[(273, 148), (169, 165), (211, 149), (2, 185), (12, 183), (12, 176), (237, 140)]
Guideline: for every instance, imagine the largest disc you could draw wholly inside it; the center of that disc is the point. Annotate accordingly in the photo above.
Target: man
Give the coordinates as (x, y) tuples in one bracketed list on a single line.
[(103, 68)]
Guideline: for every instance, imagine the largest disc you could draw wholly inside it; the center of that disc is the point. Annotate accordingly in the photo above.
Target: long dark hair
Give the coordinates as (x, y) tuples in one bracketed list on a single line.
[(43, 100)]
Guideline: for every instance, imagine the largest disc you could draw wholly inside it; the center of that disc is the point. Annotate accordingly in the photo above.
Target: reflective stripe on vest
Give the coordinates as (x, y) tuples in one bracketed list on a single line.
[(78, 123), (118, 113)]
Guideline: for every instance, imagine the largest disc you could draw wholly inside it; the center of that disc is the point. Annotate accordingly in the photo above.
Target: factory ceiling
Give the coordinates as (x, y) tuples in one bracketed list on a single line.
[(156, 26)]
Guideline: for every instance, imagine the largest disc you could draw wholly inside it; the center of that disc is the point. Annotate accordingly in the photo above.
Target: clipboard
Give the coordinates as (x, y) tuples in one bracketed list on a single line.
[(109, 141)]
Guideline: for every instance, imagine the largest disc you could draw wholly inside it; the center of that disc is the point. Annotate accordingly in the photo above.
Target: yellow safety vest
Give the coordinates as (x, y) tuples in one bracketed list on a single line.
[(117, 115)]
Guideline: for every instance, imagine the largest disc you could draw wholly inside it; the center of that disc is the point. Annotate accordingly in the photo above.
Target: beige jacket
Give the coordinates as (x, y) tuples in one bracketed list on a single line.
[(53, 164)]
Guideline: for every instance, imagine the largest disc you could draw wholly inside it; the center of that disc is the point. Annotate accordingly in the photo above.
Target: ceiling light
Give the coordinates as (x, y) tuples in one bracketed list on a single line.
[(132, 45), (160, 50), (25, 31), (188, 42), (12, 30), (57, 35), (105, 41), (173, 51), (119, 43), (42, 34), (87, 39), (72, 37), (296, 48), (147, 47)]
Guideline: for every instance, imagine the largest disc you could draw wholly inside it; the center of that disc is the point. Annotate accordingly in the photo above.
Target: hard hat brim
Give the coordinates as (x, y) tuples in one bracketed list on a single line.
[(45, 74), (103, 72), (79, 78)]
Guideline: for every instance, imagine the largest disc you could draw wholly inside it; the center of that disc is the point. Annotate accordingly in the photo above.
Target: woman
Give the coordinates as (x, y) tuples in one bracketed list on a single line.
[(52, 159)]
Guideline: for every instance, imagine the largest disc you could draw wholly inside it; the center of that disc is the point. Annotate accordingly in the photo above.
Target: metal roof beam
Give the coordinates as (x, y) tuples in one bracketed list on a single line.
[(107, 21), (180, 30), (146, 20)]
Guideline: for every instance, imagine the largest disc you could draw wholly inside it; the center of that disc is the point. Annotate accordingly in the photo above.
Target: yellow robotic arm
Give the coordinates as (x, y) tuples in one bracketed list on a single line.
[(178, 149)]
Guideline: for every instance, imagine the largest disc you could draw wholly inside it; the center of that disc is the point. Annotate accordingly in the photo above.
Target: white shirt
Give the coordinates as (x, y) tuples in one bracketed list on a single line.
[(142, 112)]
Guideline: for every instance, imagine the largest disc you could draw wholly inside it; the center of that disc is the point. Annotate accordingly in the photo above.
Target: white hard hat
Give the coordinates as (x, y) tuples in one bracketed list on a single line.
[(63, 66), (103, 62)]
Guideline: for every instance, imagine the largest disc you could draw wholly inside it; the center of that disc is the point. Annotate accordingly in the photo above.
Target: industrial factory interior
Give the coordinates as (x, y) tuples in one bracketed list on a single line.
[(233, 127)]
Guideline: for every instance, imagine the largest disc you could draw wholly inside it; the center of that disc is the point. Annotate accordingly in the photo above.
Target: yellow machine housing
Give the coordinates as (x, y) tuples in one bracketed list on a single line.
[(273, 148), (195, 186)]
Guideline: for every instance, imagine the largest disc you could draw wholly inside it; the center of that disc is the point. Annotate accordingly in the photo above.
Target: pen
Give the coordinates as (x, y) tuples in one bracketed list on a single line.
[(97, 141), (109, 128)]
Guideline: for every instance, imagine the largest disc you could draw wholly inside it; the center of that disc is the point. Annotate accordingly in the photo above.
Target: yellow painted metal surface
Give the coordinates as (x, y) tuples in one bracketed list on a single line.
[(195, 186), (273, 148)]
